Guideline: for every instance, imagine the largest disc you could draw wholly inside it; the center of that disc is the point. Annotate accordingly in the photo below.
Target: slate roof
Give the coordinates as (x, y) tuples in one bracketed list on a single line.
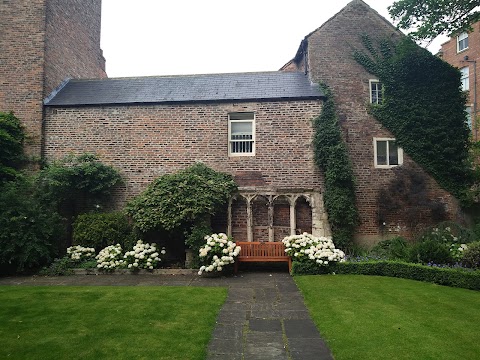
[(275, 85)]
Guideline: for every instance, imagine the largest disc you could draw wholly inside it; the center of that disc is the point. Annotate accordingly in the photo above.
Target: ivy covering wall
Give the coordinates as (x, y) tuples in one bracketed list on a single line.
[(331, 156), (424, 108)]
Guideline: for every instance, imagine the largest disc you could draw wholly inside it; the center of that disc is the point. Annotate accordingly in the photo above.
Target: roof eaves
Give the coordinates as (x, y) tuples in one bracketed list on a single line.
[(56, 91), (204, 101)]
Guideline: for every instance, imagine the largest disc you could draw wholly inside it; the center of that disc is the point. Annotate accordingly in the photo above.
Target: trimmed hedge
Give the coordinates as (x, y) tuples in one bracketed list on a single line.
[(441, 276)]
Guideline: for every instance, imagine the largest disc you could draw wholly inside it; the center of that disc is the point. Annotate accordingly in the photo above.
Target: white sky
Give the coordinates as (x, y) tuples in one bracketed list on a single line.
[(166, 37)]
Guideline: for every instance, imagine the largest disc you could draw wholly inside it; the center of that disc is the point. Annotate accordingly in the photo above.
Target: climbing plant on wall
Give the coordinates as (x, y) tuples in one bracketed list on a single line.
[(331, 157), (424, 108), (12, 137)]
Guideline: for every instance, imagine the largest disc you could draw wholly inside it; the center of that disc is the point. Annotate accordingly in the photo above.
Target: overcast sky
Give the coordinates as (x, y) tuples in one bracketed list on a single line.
[(167, 37)]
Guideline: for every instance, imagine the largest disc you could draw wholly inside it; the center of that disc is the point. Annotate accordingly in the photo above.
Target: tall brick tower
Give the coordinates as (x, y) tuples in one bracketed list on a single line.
[(42, 42)]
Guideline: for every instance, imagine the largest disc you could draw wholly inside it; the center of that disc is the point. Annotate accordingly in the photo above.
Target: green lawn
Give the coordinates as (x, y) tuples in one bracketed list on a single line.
[(369, 317), (107, 322)]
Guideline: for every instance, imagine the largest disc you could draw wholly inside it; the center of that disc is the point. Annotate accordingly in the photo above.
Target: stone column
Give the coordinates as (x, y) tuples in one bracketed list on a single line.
[(229, 217), (292, 199), (249, 199), (271, 234)]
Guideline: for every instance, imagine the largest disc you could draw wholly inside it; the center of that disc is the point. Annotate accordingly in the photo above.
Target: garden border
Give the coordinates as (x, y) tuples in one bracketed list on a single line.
[(441, 276)]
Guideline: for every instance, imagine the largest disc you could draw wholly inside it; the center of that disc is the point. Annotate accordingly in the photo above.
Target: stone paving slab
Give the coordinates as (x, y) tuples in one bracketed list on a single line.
[(263, 318)]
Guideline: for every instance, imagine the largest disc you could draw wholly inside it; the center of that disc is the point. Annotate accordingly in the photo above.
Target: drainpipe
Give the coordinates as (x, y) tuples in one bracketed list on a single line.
[(474, 117)]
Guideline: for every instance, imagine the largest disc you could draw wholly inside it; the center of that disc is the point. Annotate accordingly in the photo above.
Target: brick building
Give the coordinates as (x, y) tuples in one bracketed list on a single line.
[(43, 42), (255, 126), (463, 52)]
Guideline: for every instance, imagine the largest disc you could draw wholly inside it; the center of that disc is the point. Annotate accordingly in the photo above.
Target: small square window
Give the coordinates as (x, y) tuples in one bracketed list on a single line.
[(376, 92), (465, 78), (462, 42), (387, 153), (241, 134)]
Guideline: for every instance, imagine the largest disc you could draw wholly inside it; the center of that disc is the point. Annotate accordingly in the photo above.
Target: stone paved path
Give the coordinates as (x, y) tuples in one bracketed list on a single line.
[(264, 316)]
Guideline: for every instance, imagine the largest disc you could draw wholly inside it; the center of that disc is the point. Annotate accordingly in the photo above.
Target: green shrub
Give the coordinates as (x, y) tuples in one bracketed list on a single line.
[(448, 232), (392, 249), (99, 230), (196, 239), (176, 201), (443, 276), (30, 232), (59, 267), (431, 251), (310, 268), (471, 256)]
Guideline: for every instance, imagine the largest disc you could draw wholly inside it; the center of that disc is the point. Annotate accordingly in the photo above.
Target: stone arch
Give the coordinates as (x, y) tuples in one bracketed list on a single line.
[(238, 218), (281, 217), (303, 215), (260, 217)]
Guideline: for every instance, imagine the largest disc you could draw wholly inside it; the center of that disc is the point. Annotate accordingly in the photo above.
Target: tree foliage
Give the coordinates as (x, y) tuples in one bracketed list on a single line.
[(12, 137), (424, 108), (430, 18), (331, 157), (77, 178), (176, 201)]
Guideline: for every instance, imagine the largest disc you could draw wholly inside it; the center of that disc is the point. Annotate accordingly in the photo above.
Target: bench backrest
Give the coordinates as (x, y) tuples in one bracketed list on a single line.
[(262, 249)]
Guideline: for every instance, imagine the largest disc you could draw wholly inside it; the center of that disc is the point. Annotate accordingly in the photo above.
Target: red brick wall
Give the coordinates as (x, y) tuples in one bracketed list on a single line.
[(72, 47), (41, 43), (144, 142), (22, 30), (331, 61), (449, 54)]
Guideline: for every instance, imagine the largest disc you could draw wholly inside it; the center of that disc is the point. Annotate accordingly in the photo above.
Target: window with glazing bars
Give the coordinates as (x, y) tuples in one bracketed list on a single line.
[(376, 92), (387, 153), (462, 42), (241, 133)]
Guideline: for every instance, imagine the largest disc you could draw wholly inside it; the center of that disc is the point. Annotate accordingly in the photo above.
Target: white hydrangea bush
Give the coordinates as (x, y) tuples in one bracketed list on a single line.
[(218, 251), (143, 256), (307, 247), (80, 253), (110, 258)]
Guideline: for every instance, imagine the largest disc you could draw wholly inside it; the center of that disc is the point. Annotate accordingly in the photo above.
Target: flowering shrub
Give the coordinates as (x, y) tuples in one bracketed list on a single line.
[(110, 258), (471, 256), (218, 251), (439, 245), (143, 256), (308, 248), (457, 251), (79, 253)]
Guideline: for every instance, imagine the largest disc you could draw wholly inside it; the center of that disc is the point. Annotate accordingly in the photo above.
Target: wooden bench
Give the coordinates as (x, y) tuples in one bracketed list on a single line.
[(262, 252)]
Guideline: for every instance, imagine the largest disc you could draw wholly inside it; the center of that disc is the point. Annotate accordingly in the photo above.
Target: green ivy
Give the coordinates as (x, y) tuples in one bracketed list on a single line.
[(12, 137), (331, 156), (424, 108)]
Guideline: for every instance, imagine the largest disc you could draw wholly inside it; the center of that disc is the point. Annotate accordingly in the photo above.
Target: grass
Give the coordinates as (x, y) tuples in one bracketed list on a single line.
[(369, 317), (107, 322)]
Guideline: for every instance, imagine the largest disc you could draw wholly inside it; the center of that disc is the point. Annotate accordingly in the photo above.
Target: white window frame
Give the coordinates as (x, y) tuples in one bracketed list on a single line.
[(465, 78), (249, 118), (462, 42), (399, 154), (371, 84)]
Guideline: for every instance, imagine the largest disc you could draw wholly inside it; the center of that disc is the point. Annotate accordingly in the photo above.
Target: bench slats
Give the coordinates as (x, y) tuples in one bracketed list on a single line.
[(262, 252)]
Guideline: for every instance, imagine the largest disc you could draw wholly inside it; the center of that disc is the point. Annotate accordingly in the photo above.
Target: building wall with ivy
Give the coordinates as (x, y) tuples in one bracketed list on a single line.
[(327, 54)]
